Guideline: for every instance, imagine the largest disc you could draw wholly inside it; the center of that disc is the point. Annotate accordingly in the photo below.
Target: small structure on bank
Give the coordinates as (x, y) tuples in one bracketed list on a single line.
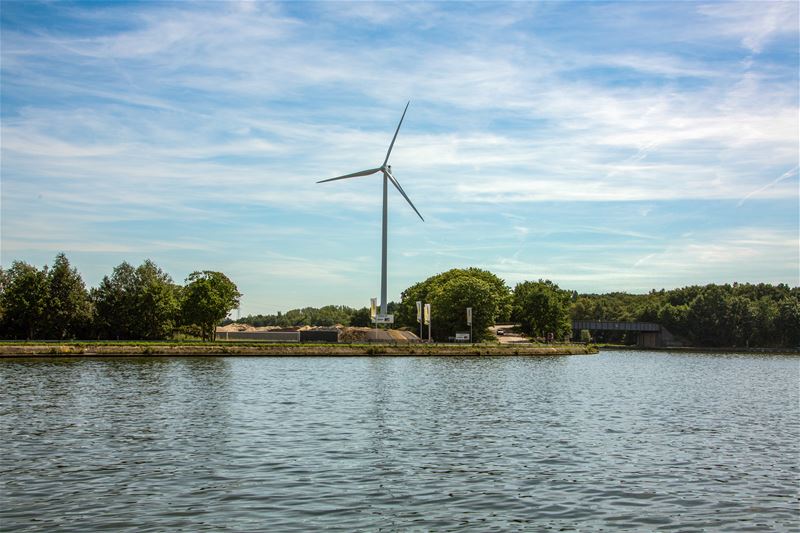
[(648, 334)]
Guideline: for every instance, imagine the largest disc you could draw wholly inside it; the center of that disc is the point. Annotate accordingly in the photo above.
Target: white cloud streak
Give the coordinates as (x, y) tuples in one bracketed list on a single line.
[(189, 113)]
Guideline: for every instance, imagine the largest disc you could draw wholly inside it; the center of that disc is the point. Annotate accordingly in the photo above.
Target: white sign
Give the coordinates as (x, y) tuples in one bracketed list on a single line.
[(383, 319), (462, 336), (469, 316)]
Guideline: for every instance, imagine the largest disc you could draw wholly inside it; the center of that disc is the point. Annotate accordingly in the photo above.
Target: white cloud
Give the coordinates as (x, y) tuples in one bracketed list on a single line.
[(755, 23)]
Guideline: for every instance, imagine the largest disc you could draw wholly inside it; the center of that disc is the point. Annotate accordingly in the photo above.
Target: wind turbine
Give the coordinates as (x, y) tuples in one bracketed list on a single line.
[(387, 177)]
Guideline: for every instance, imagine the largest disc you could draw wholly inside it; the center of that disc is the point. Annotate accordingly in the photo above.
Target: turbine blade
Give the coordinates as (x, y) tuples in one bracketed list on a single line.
[(400, 189), (353, 175), (395, 135)]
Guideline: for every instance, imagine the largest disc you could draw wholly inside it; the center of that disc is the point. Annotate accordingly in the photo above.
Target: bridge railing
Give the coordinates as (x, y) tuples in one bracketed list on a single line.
[(608, 325)]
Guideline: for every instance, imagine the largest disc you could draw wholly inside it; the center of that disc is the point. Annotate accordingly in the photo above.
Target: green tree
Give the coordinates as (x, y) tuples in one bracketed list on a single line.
[(708, 317), (136, 303), (360, 318), (115, 304), (449, 303), (24, 301), (208, 298), (541, 308), (739, 320), (406, 310), (674, 318), (765, 312), (787, 323), (4, 281), (156, 302), (69, 310)]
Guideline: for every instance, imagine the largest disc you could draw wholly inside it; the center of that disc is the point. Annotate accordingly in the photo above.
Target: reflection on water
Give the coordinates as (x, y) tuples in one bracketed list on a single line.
[(638, 441)]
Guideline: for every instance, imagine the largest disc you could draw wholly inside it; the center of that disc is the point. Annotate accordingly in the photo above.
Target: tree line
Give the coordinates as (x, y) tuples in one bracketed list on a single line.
[(328, 315), (710, 315), (540, 307), (741, 314), (144, 303), (141, 303)]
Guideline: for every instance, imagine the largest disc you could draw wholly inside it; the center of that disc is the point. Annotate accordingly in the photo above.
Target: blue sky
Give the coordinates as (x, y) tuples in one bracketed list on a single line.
[(605, 146)]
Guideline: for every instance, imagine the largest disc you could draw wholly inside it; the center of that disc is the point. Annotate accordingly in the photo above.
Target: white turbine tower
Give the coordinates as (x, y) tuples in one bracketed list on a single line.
[(387, 177)]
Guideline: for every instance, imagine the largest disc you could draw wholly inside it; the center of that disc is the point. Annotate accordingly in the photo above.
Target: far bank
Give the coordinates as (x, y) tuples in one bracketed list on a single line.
[(99, 349)]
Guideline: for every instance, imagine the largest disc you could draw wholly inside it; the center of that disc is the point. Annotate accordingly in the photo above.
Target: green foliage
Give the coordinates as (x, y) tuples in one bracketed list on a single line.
[(115, 304), (450, 300), (24, 301), (131, 303), (360, 318), (69, 310), (157, 304), (788, 320), (713, 315), (542, 308), (144, 303), (136, 303), (499, 303), (208, 298), (329, 315)]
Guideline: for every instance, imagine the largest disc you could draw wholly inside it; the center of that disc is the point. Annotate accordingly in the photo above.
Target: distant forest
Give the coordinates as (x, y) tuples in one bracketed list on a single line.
[(329, 315), (741, 314)]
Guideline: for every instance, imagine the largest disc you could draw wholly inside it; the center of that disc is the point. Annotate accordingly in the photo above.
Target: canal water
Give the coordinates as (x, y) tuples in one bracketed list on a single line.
[(643, 441)]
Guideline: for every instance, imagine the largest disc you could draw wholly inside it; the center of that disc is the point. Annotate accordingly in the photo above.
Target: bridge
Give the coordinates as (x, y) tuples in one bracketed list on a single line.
[(648, 334)]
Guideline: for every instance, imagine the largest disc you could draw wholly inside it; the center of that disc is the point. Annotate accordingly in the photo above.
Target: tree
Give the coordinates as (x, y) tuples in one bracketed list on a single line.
[(674, 318), (208, 298), (360, 318), (406, 311), (68, 310), (137, 303), (156, 302), (707, 317), (541, 308), (765, 317), (740, 320), (787, 324), (115, 304), (449, 303), (24, 301)]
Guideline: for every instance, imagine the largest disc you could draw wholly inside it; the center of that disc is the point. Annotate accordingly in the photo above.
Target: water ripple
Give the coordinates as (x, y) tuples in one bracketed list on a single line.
[(622, 441)]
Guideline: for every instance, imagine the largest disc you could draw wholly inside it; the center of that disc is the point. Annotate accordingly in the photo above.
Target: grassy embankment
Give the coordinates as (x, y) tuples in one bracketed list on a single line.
[(141, 348)]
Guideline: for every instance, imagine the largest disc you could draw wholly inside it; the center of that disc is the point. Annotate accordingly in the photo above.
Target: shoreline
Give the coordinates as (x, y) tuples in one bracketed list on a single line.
[(131, 349), (701, 349)]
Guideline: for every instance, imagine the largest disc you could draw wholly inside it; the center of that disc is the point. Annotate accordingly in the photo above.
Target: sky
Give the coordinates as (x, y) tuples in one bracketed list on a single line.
[(606, 146)]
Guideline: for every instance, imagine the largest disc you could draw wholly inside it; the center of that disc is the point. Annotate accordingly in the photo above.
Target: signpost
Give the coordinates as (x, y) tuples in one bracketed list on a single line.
[(427, 316), (419, 318), (383, 319), (469, 322), (373, 313)]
